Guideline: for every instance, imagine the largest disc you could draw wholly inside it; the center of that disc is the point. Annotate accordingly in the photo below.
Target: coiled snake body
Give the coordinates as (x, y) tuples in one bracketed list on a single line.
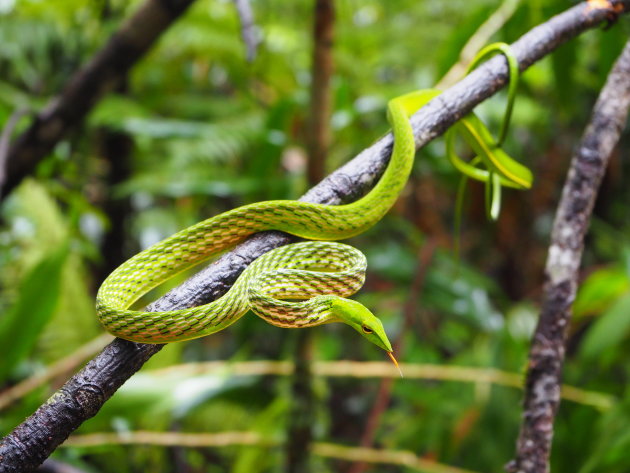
[(323, 273), (291, 272)]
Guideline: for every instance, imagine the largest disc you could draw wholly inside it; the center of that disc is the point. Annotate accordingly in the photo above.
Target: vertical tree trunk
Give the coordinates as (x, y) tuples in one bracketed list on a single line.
[(116, 148), (318, 133), (302, 418), (302, 415), (546, 354)]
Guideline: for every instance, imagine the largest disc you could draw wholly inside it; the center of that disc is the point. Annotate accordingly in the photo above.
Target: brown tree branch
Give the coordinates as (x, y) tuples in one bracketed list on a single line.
[(318, 132), (84, 394), (99, 77), (5, 141), (546, 356)]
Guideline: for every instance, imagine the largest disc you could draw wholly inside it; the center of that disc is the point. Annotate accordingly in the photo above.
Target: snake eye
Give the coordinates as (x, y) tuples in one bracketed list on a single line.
[(366, 329)]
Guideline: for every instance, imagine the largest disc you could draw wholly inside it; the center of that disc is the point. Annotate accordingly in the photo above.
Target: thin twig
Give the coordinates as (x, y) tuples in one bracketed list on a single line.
[(62, 367), (546, 356), (248, 28), (226, 439), (85, 393), (384, 457), (170, 439), (55, 466), (483, 34), (384, 370)]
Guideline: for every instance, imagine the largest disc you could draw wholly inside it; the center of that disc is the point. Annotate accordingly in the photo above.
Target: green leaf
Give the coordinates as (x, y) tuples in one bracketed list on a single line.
[(268, 424), (609, 442), (36, 302), (601, 289), (609, 330), (115, 110)]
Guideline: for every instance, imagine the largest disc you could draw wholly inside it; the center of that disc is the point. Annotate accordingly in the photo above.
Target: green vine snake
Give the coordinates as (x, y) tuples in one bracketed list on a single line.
[(320, 275)]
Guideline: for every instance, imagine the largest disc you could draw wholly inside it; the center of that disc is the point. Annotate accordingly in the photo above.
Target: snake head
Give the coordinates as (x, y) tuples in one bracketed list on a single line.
[(362, 320)]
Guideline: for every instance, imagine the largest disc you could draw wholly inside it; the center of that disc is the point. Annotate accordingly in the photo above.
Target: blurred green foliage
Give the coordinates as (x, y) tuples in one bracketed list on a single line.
[(211, 132)]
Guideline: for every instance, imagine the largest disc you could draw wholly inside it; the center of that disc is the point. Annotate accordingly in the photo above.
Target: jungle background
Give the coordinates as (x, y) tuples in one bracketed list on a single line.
[(197, 129)]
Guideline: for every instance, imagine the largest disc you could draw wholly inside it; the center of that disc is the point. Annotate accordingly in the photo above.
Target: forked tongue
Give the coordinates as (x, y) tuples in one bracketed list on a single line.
[(391, 357)]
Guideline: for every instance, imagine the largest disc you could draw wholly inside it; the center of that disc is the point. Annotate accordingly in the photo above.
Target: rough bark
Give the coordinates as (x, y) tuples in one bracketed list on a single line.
[(546, 356), (83, 395), (101, 75)]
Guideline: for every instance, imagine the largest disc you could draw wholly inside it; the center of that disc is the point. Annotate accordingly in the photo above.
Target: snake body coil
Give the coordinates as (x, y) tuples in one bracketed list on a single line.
[(200, 242), (323, 273), (308, 270)]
